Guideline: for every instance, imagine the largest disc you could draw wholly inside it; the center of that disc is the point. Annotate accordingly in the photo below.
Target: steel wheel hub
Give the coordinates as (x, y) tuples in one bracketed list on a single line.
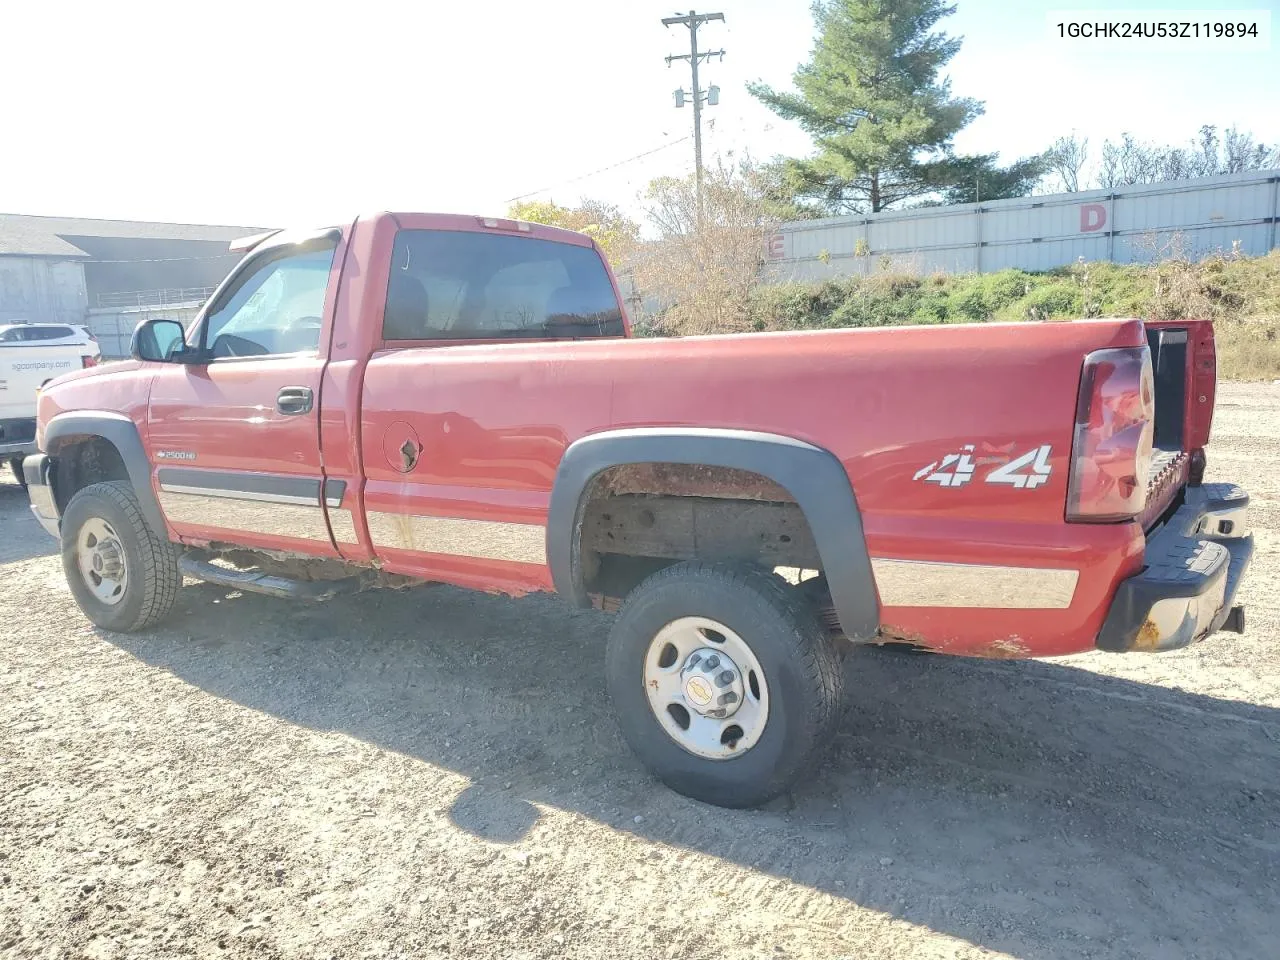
[(712, 683), (101, 560), (706, 688)]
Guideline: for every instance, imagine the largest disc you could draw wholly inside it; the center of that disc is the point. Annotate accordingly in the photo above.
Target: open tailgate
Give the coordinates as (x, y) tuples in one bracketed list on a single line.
[(1184, 361)]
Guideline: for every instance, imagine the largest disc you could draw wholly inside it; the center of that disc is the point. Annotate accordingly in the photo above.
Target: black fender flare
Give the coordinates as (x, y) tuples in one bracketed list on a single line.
[(812, 475), (120, 432)]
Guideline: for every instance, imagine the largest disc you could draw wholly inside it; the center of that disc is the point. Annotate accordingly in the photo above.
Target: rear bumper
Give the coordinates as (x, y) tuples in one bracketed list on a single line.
[(35, 469), (17, 437), (1193, 566)]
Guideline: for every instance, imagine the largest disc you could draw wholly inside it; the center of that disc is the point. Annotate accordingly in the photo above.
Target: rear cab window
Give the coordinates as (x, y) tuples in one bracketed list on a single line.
[(461, 285)]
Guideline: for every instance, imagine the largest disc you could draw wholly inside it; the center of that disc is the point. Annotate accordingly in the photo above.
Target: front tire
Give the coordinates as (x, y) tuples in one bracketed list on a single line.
[(724, 682), (122, 574)]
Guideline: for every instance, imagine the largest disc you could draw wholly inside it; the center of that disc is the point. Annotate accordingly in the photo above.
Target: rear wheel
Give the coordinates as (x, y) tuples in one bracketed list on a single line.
[(725, 684), (122, 574), (15, 464)]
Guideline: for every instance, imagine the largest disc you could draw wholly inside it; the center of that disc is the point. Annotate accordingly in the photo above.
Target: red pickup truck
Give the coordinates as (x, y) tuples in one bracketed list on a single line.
[(416, 397)]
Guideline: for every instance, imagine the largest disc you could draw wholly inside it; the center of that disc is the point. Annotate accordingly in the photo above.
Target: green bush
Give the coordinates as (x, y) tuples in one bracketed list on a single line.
[(1050, 301), (968, 302), (933, 307), (795, 305), (1005, 287), (1240, 294)]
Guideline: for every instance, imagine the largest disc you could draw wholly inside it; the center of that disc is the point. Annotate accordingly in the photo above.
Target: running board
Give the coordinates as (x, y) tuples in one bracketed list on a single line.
[(272, 586)]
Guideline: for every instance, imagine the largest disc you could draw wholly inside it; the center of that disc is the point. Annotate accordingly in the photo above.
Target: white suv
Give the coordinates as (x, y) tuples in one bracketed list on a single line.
[(32, 354), (48, 333)]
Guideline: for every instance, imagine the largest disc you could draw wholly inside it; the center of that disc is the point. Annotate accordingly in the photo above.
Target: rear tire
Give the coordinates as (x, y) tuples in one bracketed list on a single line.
[(774, 690), (122, 574), (15, 464)]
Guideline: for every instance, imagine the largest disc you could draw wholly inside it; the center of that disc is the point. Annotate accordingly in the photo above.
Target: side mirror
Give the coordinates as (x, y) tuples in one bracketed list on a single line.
[(159, 340)]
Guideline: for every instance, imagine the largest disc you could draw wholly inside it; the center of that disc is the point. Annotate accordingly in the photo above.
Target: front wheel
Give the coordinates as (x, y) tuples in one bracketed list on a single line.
[(724, 682), (122, 574)]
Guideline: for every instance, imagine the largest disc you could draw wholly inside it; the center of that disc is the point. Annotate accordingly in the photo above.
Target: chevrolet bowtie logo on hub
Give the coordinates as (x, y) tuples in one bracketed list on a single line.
[(698, 691)]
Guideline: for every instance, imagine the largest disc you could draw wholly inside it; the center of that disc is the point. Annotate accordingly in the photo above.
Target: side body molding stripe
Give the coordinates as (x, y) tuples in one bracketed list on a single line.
[(812, 475), (248, 486), (123, 434), (264, 503)]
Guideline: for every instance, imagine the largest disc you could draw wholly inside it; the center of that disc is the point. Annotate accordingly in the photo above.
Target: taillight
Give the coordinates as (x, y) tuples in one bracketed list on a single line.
[(1111, 450), (89, 361)]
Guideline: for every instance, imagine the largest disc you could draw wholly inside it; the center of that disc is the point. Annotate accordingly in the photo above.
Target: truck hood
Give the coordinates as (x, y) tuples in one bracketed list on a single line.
[(119, 387), (118, 366)]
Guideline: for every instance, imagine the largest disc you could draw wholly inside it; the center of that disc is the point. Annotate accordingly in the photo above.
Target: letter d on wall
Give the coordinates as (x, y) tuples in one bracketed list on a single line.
[(1093, 216)]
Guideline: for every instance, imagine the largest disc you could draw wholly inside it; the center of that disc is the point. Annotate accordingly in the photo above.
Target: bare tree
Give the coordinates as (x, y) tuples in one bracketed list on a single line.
[(1066, 160), (1175, 164), (1241, 153), (1131, 161), (1109, 174), (1205, 151), (702, 277)]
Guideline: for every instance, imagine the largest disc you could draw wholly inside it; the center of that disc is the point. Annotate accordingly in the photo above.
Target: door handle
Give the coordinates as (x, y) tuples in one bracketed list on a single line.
[(292, 401)]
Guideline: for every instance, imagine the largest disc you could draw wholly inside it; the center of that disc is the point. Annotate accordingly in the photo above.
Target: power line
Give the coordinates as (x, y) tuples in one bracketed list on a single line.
[(587, 176)]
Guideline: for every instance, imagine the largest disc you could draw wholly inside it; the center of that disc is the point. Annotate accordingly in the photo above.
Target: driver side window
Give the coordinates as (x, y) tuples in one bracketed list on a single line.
[(275, 309)]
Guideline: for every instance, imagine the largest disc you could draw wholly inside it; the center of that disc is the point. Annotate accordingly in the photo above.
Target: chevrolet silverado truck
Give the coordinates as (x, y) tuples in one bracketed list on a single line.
[(427, 398)]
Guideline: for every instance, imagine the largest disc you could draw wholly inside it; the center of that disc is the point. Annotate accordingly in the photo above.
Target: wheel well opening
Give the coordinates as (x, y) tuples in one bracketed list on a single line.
[(82, 461), (638, 518)]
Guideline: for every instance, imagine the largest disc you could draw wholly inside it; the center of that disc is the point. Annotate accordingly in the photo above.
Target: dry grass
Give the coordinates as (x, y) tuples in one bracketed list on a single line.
[(1248, 351)]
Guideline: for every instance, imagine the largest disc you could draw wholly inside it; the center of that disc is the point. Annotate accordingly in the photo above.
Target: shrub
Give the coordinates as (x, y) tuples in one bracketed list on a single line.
[(968, 302), (1240, 294), (932, 308), (1050, 301)]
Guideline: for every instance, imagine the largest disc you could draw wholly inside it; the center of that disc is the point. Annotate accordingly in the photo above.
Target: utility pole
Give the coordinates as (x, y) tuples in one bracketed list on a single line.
[(693, 20)]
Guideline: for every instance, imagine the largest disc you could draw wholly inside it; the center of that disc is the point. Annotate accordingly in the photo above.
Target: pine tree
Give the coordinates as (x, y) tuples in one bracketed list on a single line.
[(977, 178), (871, 98)]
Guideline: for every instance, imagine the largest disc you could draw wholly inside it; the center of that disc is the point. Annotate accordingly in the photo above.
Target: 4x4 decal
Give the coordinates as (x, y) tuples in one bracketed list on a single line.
[(955, 469), (1027, 471)]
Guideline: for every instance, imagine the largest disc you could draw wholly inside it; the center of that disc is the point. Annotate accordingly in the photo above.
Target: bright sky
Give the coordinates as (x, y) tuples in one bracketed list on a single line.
[(281, 112)]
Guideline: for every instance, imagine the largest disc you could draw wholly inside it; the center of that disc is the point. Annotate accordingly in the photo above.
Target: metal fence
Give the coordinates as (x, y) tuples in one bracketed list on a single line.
[(1191, 218), (113, 326), (148, 298)]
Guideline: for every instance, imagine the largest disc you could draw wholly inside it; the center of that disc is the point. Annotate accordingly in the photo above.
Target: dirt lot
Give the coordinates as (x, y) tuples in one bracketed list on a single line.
[(434, 773)]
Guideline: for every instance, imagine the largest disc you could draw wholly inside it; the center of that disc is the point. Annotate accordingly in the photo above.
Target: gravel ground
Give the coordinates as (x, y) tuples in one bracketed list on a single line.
[(436, 773)]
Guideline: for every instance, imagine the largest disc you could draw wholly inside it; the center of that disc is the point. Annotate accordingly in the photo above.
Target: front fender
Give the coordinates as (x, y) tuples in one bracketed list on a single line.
[(65, 429)]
